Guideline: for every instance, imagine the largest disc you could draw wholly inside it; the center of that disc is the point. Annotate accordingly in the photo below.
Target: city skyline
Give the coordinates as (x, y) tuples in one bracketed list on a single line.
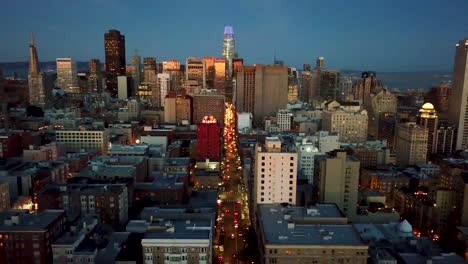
[(298, 36)]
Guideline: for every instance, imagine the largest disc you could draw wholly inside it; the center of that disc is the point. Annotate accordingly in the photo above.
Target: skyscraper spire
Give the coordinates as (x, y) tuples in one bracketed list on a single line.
[(33, 60), (31, 39)]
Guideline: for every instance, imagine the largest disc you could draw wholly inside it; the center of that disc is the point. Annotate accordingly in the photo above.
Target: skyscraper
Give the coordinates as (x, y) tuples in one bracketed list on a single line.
[(95, 76), (194, 75), (429, 119), (38, 90), (458, 102), (114, 44), (262, 90), (149, 69), (67, 77), (136, 70), (229, 51), (365, 86)]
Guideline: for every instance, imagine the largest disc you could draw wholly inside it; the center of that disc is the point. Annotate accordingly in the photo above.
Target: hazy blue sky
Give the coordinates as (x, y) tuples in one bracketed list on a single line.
[(382, 35)]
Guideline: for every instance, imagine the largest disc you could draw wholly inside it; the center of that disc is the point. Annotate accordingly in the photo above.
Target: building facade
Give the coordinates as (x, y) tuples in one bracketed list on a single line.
[(67, 77), (114, 45), (411, 144), (208, 139)]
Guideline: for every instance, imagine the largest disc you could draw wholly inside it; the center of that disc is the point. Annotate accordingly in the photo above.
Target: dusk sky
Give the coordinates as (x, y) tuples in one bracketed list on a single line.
[(395, 35)]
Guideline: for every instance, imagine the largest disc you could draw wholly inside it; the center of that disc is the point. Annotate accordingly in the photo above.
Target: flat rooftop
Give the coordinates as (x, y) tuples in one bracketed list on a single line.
[(285, 226), (27, 221)]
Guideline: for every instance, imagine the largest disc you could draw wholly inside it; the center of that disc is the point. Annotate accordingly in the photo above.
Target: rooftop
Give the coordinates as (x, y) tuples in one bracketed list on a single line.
[(291, 225), (22, 220)]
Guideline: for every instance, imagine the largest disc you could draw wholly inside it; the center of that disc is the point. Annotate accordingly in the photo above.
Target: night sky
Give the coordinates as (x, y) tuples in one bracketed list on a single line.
[(396, 35)]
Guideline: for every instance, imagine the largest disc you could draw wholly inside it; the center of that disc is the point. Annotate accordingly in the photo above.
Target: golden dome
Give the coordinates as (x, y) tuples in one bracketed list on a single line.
[(428, 106)]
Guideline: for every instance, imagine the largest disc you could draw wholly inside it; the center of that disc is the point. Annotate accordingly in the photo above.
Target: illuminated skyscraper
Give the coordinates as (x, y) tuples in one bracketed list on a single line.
[(38, 92), (458, 114), (114, 44), (95, 76), (229, 51), (136, 70), (67, 77)]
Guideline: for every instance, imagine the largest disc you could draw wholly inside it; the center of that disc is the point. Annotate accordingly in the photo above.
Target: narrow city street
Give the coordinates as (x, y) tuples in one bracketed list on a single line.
[(233, 219)]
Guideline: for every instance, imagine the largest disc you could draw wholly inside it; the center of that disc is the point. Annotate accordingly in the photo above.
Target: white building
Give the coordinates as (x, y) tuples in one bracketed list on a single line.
[(284, 120), (122, 87), (164, 83), (275, 173), (67, 78), (307, 154), (77, 140), (244, 121)]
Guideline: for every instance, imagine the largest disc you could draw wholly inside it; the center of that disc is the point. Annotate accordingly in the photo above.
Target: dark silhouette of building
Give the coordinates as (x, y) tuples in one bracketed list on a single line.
[(114, 44)]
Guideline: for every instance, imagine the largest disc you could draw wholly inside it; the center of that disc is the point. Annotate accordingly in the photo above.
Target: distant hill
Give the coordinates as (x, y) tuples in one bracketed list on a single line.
[(402, 80)]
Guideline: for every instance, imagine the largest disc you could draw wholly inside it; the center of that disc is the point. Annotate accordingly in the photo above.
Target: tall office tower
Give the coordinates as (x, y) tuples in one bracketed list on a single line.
[(387, 128), (194, 75), (220, 75), (262, 90), (208, 139), (411, 144), (329, 81), (229, 51), (439, 96), (444, 138), (293, 83), (336, 177), (114, 44), (458, 101), (124, 84), (149, 69), (368, 84), (208, 104), (306, 67), (378, 104), (164, 84), (275, 173), (429, 119), (347, 119), (3, 103), (39, 92), (320, 63), (306, 82), (236, 64), (67, 77), (136, 70), (178, 108), (209, 63), (95, 76), (173, 67)]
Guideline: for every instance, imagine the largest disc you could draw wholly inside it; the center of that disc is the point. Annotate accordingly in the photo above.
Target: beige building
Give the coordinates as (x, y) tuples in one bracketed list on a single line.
[(411, 144), (458, 101), (261, 90), (337, 178), (67, 77), (194, 75), (318, 234), (178, 108), (77, 140), (346, 119), (275, 173), (51, 151), (376, 105)]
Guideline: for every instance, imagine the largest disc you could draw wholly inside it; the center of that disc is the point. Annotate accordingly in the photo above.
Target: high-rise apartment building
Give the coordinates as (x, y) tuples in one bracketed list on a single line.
[(439, 96), (262, 90), (378, 104), (39, 91), (229, 50), (178, 108), (208, 139), (149, 69), (411, 144), (136, 70), (347, 119), (67, 77), (458, 114), (336, 177), (368, 84), (194, 75), (220, 75), (163, 86), (275, 173), (95, 76), (114, 44), (209, 63), (429, 119), (208, 104), (329, 82)]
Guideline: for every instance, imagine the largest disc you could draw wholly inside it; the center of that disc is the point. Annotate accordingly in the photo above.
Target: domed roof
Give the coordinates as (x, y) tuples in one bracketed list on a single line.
[(428, 106), (405, 227)]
